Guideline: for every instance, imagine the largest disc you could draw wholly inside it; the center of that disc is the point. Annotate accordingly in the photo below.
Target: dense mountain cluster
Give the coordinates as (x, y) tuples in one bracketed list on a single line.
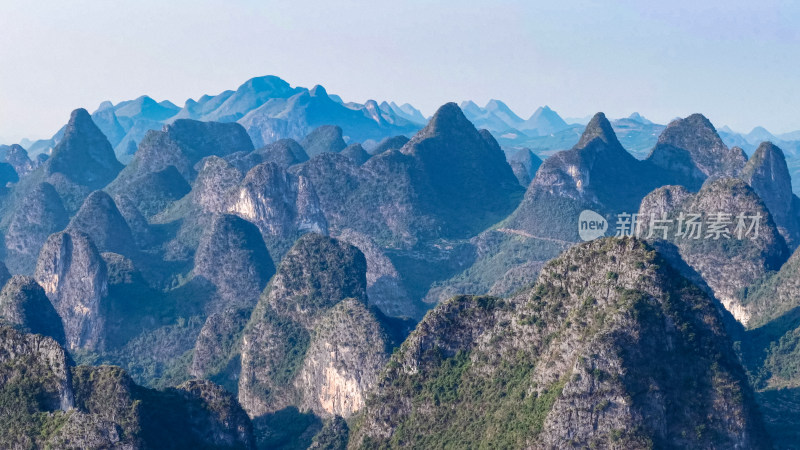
[(275, 268)]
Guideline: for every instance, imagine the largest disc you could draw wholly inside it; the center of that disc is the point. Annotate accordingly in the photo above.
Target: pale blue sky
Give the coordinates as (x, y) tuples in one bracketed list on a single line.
[(737, 62)]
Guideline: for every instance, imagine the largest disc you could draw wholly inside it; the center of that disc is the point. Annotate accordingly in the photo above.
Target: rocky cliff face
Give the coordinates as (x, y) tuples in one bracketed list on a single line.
[(611, 348), (39, 214), (23, 303), (232, 256), (726, 265), (215, 181), (100, 407), (75, 279), (311, 341), (343, 360), (767, 173), (282, 205), (598, 170), (179, 147)]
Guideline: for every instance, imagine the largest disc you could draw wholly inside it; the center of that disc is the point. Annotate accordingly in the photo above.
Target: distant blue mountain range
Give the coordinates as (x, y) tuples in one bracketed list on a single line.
[(271, 109)]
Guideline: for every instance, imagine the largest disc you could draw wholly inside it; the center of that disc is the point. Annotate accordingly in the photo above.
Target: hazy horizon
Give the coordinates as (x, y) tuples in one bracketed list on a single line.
[(735, 62)]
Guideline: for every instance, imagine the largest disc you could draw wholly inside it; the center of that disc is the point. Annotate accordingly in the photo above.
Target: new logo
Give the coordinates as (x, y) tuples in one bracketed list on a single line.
[(591, 225)]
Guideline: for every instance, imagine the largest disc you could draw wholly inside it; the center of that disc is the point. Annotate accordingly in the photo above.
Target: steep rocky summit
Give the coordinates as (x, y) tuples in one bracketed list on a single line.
[(611, 348), (75, 279), (312, 343), (726, 261)]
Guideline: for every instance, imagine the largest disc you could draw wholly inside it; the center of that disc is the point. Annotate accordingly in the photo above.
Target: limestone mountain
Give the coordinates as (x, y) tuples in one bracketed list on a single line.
[(312, 343), (597, 174), (35, 373), (83, 161), (249, 96), (543, 121), (357, 153), (75, 279), (101, 220), (151, 179), (296, 116), (690, 150), (24, 304), (488, 119), (106, 120), (215, 181), (390, 143), (524, 163), (778, 294), (767, 173), (232, 256), (327, 138), (39, 214), (144, 107), (182, 144), (18, 158), (100, 407), (385, 285), (282, 205), (620, 352), (457, 168), (285, 152), (728, 262)]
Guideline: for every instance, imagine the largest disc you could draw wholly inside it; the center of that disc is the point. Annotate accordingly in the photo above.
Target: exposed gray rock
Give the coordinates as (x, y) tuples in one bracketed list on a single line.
[(215, 181), (343, 360), (726, 265), (18, 158), (75, 279), (597, 354), (283, 206), (41, 358), (311, 341), (689, 150)]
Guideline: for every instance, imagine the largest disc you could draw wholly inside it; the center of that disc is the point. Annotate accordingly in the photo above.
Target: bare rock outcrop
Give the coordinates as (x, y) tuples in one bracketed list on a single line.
[(75, 279)]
